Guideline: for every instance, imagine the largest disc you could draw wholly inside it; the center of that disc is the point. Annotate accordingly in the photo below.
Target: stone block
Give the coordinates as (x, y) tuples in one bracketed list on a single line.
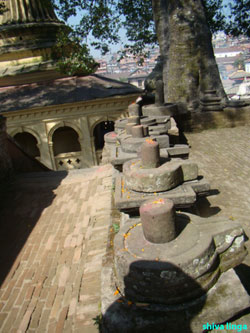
[(178, 150), (110, 138), (167, 109), (163, 140), (120, 315), (182, 269), (131, 145), (126, 200), (157, 179), (151, 180)]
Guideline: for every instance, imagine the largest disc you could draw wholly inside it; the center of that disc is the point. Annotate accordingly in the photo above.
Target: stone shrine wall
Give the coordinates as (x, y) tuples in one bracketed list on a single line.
[(5, 161)]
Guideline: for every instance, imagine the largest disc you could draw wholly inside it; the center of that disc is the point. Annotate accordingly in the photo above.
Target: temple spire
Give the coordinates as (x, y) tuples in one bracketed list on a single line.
[(28, 32), (27, 11)]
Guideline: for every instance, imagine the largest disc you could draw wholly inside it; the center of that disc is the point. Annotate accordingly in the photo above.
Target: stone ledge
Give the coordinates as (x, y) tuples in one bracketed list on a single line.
[(229, 117)]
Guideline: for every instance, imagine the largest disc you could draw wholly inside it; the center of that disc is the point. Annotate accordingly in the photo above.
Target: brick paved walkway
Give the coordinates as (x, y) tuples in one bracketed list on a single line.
[(53, 236)]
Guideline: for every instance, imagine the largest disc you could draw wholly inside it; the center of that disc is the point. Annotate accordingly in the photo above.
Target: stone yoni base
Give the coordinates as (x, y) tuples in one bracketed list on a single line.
[(183, 196), (226, 299)]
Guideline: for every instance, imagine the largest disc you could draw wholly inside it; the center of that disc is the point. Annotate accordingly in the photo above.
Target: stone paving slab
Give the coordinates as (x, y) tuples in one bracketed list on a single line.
[(224, 159), (54, 229), (223, 156)]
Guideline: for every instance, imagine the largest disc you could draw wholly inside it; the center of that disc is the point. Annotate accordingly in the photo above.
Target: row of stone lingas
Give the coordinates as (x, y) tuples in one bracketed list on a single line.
[(134, 127)]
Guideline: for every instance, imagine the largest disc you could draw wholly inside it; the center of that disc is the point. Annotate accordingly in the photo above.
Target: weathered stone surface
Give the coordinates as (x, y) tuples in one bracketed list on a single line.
[(118, 157), (159, 92), (130, 144), (183, 196), (134, 119), (129, 126), (163, 140), (120, 124), (164, 178), (110, 138), (189, 169), (180, 270), (151, 180), (137, 131), (210, 101), (150, 154), (158, 220), (148, 121), (229, 296), (134, 109), (177, 150), (167, 109), (145, 130), (163, 119)]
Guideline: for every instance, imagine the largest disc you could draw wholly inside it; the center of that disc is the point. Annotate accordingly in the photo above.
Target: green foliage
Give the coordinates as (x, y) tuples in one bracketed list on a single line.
[(101, 21), (239, 63), (98, 321), (214, 15), (138, 22), (116, 227), (239, 23), (72, 57), (98, 18)]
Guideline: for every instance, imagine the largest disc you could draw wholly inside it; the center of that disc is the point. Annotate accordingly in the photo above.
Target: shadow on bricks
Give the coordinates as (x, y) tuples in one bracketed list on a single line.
[(20, 209)]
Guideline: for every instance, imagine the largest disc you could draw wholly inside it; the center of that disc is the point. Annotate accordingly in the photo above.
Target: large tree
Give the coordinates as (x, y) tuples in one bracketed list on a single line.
[(182, 29), (189, 66)]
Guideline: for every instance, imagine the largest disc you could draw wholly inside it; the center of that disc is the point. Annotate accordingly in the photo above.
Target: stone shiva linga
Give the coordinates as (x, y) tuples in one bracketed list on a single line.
[(124, 143), (173, 271), (151, 175)]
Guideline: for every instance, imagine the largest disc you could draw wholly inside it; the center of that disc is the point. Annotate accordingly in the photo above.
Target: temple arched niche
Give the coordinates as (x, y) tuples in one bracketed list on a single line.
[(28, 143), (100, 130), (66, 148)]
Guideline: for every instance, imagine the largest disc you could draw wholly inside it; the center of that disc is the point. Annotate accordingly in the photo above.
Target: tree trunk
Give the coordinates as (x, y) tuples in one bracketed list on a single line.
[(189, 66)]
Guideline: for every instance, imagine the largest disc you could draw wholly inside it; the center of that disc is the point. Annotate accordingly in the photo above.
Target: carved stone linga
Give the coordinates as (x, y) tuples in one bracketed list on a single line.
[(124, 143), (149, 176), (168, 257), (172, 272)]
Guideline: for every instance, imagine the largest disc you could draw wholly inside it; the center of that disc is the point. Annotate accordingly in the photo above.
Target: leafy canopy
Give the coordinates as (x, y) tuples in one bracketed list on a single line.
[(100, 22), (103, 19)]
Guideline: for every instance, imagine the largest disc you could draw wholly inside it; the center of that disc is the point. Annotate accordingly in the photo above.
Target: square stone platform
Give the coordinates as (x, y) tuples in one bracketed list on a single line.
[(183, 196)]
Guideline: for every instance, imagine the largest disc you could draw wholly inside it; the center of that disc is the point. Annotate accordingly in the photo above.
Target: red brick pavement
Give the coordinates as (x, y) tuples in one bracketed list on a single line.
[(53, 235)]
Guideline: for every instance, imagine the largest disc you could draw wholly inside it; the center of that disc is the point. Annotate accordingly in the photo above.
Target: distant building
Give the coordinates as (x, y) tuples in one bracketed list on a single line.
[(228, 52), (138, 77), (240, 87), (247, 65)]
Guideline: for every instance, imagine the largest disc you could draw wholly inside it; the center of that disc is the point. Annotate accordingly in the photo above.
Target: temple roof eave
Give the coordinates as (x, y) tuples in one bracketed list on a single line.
[(63, 91), (20, 26)]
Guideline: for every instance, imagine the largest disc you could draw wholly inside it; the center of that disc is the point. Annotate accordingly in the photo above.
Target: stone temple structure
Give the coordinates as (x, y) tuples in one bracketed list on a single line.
[(28, 31), (59, 120)]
